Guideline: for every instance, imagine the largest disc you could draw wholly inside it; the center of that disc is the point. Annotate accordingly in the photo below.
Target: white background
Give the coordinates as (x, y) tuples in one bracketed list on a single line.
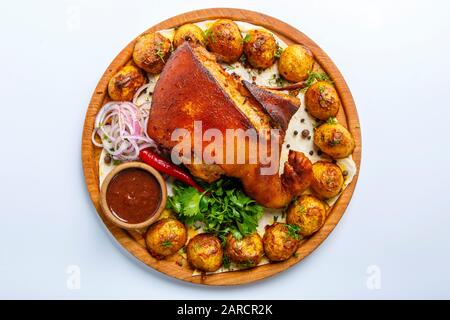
[(395, 58)]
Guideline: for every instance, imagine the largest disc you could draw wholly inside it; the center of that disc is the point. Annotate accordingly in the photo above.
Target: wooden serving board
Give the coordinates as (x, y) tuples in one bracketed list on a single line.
[(175, 266)]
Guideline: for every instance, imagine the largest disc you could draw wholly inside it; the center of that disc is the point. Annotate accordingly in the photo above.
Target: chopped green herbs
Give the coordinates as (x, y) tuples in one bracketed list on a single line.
[(246, 264), (276, 80), (208, 34), (160, 52), (167, 243), (315, 76), (222, 208), (301, 209), (334, 141), (116, 162), (247, 38), (278, 51), (321, 89), (226, 262), (293, 231), (331, 120)]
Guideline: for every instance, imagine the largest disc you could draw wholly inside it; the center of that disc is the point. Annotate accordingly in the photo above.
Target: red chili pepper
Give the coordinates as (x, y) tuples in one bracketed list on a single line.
[(161, 164)]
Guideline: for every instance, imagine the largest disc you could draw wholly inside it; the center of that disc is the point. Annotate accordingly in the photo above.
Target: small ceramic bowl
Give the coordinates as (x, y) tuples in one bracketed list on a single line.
[(112, 174)]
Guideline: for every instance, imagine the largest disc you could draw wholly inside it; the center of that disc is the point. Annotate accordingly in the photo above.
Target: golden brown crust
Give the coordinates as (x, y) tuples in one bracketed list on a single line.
[(295, 63), (224, 39), (281, 107), (193, 87), (189, 33), (307, 212), (260, 48), (151, 52), (322, 101), (180, 95), (327, 179), (279, 245), (165, 237), (124, 84), (204, 252), (334, 140), (249, 250)]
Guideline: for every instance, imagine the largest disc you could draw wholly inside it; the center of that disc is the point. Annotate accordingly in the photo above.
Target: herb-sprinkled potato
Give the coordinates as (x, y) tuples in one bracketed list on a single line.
[(334, 140), (124, 84), (296, 61), (260, 48), (188, 32), (280, 241), (151, 52), (327, 179), (322, 100), (307, 212), (247, 251), (204, 252), (165, 237), (225, 40)]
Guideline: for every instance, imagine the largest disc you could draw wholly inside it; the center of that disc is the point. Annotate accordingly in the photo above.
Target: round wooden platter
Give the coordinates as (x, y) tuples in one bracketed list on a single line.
[(174, 267)]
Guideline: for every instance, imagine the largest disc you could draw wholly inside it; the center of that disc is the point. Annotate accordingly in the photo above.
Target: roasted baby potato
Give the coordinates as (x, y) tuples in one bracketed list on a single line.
[(151, 52), (327, 179), (260, 47), (322, 100), (248, 251), (124, 84), (334, 140), (225, 40), (279, 242), (295, 63), (204, 252), (165, 237), (189, 32), (307, 212)]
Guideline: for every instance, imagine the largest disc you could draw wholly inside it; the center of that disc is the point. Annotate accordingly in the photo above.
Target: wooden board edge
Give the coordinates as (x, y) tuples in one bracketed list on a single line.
[(243, 276)]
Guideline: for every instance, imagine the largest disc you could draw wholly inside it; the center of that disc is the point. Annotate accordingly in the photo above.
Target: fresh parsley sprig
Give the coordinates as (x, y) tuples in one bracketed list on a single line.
[(313, 77), (221, 209), (278, 51), (293, 231)]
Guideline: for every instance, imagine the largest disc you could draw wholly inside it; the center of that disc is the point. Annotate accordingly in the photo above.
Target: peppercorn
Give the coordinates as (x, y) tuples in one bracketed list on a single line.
[(288, 146), (107, 159), (311, 153), (345, 173), (305, 133), (295, 132)]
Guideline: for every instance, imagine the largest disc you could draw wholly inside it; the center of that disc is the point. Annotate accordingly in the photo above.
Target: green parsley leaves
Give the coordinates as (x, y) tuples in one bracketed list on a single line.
[(278, 51), (315, 76), (222, 208), (209, 36), (332, 120), (167, 243), (293, 231), (276, 80)]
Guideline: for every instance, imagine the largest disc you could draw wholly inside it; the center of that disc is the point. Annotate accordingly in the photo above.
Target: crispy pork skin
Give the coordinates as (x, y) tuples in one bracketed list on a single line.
[(281, 107), (194, 87)]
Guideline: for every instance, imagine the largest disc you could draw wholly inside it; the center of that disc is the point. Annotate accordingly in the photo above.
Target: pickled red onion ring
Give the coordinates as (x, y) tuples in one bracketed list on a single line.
[(122, 129)]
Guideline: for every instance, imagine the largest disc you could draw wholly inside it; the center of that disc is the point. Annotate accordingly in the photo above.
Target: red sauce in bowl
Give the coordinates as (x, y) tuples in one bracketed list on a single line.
[(133, 195)]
